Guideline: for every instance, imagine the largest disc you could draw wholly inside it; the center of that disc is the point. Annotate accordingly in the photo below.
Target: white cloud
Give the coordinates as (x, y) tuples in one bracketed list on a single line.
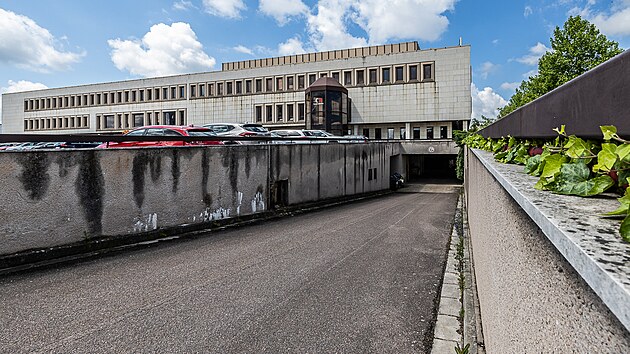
[(528, 11), (385, 20), (618, 23), (510, 86), (282, 10), (224, 8), (164, 50), (24, 44), (291, 46), (19, 86), (534, 55), (243, 49), (495, 41), (183, 5), (327, 28), (486, 102), (487, 68)]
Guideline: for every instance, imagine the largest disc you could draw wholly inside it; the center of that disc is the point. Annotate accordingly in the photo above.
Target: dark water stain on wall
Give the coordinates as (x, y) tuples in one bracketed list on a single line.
[(230, 161), (248, 164), (205, 175), (90, 187), (35, 178), (141, 162), (175, 169)]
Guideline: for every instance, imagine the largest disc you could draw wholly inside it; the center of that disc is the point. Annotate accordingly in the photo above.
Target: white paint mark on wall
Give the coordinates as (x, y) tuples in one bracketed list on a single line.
[(258, 203), (145, 223), (209, 215), (239, 201)]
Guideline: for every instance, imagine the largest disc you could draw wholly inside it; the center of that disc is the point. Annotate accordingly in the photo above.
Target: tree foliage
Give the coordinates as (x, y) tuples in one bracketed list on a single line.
[(575, 48)]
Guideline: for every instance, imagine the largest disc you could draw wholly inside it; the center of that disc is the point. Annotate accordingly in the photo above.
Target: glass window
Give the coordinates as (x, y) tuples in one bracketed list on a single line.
[(269, 85), (220, 89), (134, 96), (279, 115), (427, 71), (390, 133), (403, 133), (258, 85), (311, 79), (399, 73), (202, 90), (138, 119), (248, 86), (182, 92), (372, 77), (429, 132), (290, 83), (193, 91), (443, 132), (279, 85), (385, 73), (360, 77), (301, 112), (300, 80), (416, 133), (366, 132), (347, 78), (169, 118), (290, 113), (182, 117), (228, 88), (239, 87), (269, 113), (335, 75), (165, 93), (109, 121), (173, 93), (210, 89), (258, 113)]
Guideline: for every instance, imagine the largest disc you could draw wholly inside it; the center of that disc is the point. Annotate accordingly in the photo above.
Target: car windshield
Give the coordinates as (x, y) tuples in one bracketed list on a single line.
[(255, 128), (314, 133)]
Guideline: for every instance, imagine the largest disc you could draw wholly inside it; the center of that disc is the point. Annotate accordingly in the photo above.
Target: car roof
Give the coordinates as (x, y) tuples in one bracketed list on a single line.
[(180, 127)]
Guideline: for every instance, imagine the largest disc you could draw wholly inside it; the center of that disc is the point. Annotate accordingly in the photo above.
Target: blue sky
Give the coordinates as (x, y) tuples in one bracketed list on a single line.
[(46, 43)]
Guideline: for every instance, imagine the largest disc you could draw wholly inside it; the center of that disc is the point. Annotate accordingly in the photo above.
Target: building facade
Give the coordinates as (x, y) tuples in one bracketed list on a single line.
[(397, 91)]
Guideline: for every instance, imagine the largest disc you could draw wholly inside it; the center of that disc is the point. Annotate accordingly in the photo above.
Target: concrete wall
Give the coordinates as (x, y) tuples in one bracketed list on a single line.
[(531, 299), (60, 197)]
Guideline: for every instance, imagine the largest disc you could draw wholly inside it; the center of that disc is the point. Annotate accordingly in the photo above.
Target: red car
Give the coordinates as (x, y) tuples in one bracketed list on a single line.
[(165, 130)]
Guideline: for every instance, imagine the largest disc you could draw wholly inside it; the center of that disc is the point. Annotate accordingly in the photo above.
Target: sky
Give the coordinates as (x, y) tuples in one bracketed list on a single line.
[(58, 43)]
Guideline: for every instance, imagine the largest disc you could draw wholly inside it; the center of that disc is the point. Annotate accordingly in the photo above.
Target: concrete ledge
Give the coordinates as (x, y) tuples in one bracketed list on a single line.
[(590, 243)]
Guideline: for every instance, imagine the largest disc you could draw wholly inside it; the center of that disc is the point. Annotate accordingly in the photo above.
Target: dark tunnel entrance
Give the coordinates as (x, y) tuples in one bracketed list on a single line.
[(439, 167)]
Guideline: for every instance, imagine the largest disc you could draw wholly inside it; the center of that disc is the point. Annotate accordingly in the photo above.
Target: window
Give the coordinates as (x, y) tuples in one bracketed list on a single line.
[(193, 91), (372, 77), (311, 79), (219, 89), (269, 85), (279, 115), (416, 133), (429, 132), (366, 132), (165, 93), (403, 133), (290, 112), (134, 96), (239, 87), (347, 78), (156, 93), (390, 133), (141, 95), (210, 89), (228, 88), (169, 118), (258, 85), (279, 86), (182, 92), (377, 133), (138, 119), (109, 121), (91, 101), (290, 83), (258, 113), (182, 117), (426, 71), (202, 90), (71, 102), (385, 73), (323, 75), (269, 113), (105, 98), (173, 93), (399, 73), (335, 75), (360, 77), (413, 72), (443, 132), (300, 82), (301, 112)]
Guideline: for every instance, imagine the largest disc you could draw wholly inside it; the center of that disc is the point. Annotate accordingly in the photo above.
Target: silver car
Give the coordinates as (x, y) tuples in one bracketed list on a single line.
[(239, 129)]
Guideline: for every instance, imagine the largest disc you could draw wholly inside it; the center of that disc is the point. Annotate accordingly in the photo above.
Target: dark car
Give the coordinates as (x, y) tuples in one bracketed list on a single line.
[(165, 130)]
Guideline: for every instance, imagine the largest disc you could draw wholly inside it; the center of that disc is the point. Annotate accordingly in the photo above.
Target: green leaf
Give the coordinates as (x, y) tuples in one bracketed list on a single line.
[(552, 164), (559, 130), (623, 151), (608, 131), (577, 148), (624, 230), (573, 179), (624, 207), (532, 167), (606, 158)]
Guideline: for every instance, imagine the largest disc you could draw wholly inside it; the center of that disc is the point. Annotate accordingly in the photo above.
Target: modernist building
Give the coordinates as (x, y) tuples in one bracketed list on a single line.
[(394, 91)]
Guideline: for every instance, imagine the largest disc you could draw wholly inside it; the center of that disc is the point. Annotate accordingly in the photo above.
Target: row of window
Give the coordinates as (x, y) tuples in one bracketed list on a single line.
[(402, 134), (57, 123), (350, 78), (131, 120), (280, 113)]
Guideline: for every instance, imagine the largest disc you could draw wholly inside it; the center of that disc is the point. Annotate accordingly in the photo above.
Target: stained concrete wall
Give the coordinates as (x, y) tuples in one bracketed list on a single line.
[(60, 197), (531, 299)]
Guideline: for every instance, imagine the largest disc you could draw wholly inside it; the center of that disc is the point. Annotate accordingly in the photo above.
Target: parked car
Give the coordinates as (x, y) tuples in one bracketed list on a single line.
[(396, 181), (239, 129), (165, 130), (318, 133), (354, 139), (22, 146)]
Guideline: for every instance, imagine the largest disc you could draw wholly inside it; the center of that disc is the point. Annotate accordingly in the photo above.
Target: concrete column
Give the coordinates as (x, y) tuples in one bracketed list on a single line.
[(408, 132)]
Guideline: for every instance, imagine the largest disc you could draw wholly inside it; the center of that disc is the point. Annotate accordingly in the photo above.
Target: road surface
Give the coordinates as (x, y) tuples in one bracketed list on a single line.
[(360, 277)]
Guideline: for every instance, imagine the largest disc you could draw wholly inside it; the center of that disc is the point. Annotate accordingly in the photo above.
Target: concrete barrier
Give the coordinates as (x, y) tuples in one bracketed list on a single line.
[(56, 198), (548, 269)]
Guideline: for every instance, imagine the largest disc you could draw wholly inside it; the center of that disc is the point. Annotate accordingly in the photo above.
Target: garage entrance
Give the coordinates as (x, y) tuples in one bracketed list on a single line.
[(421, 167)]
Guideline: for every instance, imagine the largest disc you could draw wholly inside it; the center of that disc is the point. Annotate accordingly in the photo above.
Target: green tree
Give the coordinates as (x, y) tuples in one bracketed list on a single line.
[(576, 48)]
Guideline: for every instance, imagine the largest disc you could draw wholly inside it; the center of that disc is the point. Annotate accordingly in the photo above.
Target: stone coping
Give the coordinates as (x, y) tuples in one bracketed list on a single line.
[(590, 243)]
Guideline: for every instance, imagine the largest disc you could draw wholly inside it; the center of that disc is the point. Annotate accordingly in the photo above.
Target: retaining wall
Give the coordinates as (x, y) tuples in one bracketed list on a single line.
[(552, 275), (61, 197)]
